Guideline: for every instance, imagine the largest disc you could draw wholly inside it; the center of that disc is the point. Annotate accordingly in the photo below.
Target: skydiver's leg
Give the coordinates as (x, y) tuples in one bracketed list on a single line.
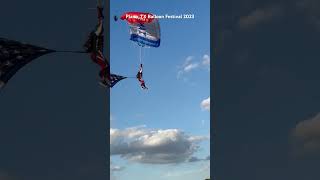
[(105, 73), (102, 73), (98, 58), (101, 62), (144, 87), (99, 29), (105, 77)]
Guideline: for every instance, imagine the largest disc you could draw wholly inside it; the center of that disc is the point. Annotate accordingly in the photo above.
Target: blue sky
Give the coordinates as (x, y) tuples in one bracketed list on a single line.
[(177, 75)]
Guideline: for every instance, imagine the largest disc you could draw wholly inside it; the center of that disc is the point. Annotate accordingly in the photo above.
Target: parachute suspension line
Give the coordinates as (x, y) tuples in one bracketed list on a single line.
[(140, 55)]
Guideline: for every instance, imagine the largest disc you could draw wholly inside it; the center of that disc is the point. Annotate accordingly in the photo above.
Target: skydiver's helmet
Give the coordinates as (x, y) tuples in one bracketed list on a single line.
[(115, 18)]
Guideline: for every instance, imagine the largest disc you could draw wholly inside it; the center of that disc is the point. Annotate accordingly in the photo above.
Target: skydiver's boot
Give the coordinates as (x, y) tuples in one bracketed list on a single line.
[(103, 84), (144, 87)]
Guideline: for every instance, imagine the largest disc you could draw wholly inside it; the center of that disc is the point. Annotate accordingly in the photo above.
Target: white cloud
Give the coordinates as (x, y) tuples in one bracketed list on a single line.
[(190, 64), (187, 173), (188, 60), (306, 134), (206, 60), (205, 104), (190, 67), (114, 168), (143, 145), (187, 66), (196, 159)]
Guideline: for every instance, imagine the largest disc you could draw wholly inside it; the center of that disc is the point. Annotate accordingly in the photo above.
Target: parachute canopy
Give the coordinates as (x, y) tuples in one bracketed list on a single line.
[(138, 17), (144, 28)]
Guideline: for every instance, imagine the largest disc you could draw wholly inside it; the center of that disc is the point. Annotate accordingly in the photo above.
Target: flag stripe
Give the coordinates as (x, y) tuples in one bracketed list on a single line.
[(14, 55)]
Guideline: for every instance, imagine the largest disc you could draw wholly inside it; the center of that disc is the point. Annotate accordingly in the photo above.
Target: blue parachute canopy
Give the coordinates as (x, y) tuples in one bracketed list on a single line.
[(147, 34)]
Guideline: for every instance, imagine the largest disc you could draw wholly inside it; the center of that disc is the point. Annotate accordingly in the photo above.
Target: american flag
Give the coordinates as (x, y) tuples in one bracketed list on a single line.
[(14, 55), (114, 79)]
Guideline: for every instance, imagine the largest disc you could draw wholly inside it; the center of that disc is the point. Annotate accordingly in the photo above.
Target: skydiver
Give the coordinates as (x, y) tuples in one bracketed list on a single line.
[(139, 77), (139, 74), (94, 46)]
